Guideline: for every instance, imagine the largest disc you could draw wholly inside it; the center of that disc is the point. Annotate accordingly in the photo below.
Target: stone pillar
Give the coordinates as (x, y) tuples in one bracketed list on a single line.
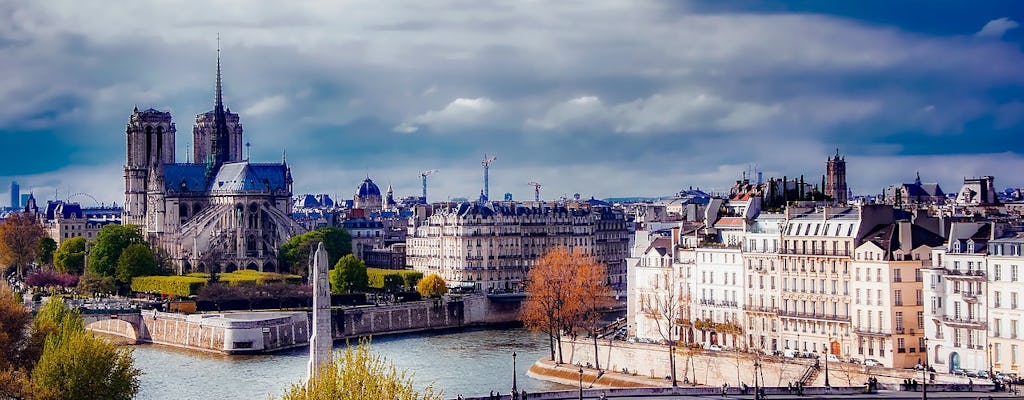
[(320, 340)]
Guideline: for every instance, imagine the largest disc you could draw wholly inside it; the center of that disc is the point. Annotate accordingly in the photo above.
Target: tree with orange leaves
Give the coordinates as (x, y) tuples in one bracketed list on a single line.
[(19, 240), (566, 288)]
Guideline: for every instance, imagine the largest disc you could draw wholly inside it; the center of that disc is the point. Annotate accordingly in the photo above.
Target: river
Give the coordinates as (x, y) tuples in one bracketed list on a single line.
[(469, 362)]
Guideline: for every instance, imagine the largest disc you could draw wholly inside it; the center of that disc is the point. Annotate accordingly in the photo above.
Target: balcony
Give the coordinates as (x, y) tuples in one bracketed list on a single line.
[(971, 275), (871, 332), (964, 323), (763, 309), (970, 297), (816, 252), (794, 314)]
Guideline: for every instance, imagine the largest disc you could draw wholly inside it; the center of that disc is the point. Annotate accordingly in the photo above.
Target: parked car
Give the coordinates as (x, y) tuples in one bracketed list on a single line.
[(832, 358), (871, 362), (789, 353), (1001, 377), (958, 371), (854, 360), (983, 374), (972, 374), (713, 347)]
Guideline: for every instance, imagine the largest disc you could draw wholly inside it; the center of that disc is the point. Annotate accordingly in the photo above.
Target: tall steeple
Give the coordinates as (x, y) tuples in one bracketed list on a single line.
[(219, 141)]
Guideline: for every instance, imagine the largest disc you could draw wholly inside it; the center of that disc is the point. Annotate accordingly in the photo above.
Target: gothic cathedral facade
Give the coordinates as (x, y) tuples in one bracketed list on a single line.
[(219, 211)]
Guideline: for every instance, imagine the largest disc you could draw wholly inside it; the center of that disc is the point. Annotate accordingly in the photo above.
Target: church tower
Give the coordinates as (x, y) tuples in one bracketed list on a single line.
[(217, 131), (835, 179), (150, 138)]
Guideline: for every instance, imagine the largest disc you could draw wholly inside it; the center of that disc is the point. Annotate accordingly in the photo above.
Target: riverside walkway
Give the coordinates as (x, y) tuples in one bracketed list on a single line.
[(660, 394)]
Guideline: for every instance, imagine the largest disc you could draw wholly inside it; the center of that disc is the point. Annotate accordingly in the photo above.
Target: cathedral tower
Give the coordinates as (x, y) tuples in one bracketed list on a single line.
[(835, 179), (217, 131), (150, 137)]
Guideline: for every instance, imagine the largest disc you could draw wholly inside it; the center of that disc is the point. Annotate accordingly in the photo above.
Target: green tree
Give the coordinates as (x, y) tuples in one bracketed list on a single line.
[(46, 248), (348, 275), (107, 248), (294, 254), (135, 260), (70, 256), (19, 240), (433, 286), (92, 283), (75, 364), (357, 374)]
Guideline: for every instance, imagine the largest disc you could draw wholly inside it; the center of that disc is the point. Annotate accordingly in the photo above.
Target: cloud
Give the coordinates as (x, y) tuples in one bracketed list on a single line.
[(461, 112), (997, 28), (266, 105)]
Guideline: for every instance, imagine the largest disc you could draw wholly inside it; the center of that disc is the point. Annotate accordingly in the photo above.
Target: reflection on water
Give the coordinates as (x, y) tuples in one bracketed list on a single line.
[(468, 362)]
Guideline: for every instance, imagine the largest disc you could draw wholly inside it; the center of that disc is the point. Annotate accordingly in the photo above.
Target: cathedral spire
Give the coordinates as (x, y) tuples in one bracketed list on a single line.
[(219, 142), (219, 98)]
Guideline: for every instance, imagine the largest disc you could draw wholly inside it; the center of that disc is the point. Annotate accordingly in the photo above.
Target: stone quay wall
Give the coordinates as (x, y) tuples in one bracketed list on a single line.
[(466, 311)]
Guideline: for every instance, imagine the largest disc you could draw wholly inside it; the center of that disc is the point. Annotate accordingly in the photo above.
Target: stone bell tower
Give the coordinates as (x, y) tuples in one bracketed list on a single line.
[(150, 145)]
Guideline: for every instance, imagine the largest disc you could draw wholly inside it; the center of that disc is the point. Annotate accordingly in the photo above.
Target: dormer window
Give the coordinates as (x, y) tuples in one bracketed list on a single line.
[(956, 247), (970, 246)]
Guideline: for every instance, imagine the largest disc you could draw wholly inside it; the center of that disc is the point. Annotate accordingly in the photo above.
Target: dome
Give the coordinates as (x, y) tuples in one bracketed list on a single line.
[(368, 188)]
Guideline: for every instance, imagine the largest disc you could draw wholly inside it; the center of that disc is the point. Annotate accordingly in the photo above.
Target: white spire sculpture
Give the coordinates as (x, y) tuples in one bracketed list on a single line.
[(320, 339)]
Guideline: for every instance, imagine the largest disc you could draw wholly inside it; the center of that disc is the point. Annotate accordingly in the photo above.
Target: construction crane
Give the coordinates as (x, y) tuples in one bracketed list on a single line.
[(486, 163), (424, 175), (536, 190)]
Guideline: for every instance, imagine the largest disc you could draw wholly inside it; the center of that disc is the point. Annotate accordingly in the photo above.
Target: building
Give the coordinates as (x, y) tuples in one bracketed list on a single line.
[(835, 179), (956, 307), (15, 195), (367, 197), (915, 194), (654, 281), (491, 246), (1005, 308), (220, 211), (888, 299), (978, 192), (63, 220), (762, 264)]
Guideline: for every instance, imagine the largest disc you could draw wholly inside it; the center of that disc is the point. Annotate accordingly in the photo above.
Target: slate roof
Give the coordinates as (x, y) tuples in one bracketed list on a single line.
[(231, 177)]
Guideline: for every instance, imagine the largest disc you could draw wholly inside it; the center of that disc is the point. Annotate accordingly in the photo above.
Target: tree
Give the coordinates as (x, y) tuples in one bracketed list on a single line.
[(46, 248), (294, 254), (357, 374), (669, 309), (551, 306), (349, 274), (14, 339), (433, 286), (92, 283), (135, 260), (19, 240), (593, 297), (108, 246), (70, 256), (75, 364)]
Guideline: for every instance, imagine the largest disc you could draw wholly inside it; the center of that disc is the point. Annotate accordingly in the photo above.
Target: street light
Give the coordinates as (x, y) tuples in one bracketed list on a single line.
[(581, 383), (924, 371), (990, 374), (514, 386), (825, 354)]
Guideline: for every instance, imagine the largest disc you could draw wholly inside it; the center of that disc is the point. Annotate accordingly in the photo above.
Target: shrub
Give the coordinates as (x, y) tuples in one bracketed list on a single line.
[(44, 278), (250, 277), (392, 279), (182, 286)]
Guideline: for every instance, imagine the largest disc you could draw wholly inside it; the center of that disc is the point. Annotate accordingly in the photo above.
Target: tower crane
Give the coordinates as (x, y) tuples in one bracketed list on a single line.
[(486, 163), (424, 175), (536, 190)]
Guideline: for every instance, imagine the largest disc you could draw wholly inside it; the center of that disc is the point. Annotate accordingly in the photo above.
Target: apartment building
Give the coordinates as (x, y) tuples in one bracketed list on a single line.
[(762, 266), (1006, 310)]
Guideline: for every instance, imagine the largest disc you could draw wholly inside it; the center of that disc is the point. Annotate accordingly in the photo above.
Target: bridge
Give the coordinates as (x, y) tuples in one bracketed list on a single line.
[(125, 323)]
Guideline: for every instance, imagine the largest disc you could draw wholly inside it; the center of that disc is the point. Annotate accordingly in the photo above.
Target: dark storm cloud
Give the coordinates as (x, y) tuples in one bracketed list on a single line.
[(597, 97)]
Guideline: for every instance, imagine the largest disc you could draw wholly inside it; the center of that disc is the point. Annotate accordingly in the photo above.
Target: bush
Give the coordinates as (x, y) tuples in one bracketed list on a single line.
[(250, 277), (45, 278), (393, 279), (181, 286)]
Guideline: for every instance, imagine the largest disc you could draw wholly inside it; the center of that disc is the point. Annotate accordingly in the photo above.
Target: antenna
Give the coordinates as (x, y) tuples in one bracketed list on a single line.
[(247, 150)]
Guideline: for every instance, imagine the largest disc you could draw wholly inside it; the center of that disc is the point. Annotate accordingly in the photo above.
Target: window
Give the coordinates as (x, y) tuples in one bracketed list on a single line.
[(878, 275), (856, 299), (1013, 273), (879, 296), (917, 275), (995, 327), (898, 297), (900, 346), (1013, 300), (919, 297), (899, 321), (995, 298), (920, 320), (1013, 329), (998, 272), (897, 276)]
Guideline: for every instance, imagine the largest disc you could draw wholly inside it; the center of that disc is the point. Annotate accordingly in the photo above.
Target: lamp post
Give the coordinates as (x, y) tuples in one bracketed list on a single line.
[(514, 386), (581, 383), (990, 374), (924, 372)]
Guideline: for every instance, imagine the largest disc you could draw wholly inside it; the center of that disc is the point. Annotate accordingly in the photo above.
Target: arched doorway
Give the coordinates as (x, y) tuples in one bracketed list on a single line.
[(714, 337), (252, 266), (835, 348), (954, 361)]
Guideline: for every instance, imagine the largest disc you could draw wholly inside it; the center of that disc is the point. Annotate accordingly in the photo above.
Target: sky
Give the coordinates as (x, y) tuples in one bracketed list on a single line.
[(601, 98)]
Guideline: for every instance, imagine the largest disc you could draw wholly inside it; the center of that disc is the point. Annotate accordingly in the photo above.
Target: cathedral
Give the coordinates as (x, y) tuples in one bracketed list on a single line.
[(219, 210)]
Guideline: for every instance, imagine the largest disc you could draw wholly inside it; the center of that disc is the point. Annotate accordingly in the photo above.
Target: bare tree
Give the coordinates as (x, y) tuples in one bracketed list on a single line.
[(669, 308)]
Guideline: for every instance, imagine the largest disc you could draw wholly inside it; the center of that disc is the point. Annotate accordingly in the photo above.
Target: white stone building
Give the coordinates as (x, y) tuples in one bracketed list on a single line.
[(1006, 305)]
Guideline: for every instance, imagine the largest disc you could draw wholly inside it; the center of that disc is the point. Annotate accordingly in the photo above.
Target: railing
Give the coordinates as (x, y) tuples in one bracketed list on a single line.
[(970, 323), (870, 332), (761, 309), (814, 252), (814, 315)]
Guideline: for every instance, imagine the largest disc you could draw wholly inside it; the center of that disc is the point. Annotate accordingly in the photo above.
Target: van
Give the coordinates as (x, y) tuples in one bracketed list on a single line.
[(789, 353)]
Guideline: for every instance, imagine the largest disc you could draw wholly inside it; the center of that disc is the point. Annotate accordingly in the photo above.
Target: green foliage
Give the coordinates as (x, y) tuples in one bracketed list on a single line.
[(46, 248), (432, 286), (407, 277), (357, 374), (348, 275), (182, 286), (108, 246), (91, 283), (136, 260), (295, 252), (69, 258), (248, 277), (75, 364)]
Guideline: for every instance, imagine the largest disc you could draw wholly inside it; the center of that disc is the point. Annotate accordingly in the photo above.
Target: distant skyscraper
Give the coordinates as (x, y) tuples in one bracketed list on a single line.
[(15, 195), (835, 179)]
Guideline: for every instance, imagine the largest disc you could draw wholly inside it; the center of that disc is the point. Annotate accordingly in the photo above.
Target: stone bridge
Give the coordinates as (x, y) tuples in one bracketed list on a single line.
[(122, 323)]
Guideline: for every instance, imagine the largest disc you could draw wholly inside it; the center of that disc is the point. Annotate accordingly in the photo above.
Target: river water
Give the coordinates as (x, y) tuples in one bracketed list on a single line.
[(469, 362)]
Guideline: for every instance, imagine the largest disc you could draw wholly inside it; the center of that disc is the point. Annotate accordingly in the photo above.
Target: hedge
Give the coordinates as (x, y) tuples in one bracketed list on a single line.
[(182, 286), (406, 278), (250, 277)]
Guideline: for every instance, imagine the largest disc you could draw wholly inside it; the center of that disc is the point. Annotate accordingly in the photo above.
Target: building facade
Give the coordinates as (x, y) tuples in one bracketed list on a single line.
[(1006, 310)]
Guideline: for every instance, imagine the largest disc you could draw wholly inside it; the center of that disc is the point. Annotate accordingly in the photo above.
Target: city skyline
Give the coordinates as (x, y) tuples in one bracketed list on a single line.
[(605, 99)]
